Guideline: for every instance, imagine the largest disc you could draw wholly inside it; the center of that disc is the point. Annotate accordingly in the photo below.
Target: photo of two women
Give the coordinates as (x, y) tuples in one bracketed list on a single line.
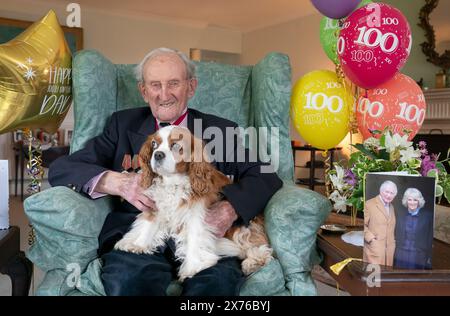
[(399, 220)]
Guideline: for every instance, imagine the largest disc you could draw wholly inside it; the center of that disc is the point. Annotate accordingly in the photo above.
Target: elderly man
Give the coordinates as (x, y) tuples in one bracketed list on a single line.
[(166, 81), (379, 226)]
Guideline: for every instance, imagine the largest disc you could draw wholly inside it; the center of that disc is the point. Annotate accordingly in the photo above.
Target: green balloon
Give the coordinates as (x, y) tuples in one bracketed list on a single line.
[(329, 34)]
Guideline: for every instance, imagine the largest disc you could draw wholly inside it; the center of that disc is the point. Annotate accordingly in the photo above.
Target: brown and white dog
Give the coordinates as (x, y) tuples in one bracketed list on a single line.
[(184, 184)]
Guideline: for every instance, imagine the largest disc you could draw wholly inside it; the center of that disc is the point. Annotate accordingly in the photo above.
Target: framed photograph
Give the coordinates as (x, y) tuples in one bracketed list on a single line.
[(59, 138), (10, 28), (399, 220), (68, 136), (17, 136)]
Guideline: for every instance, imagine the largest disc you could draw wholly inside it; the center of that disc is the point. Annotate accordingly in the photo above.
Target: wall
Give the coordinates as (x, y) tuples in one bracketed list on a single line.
[(300, 40), (417, 65), (126, 38), (122, 38)]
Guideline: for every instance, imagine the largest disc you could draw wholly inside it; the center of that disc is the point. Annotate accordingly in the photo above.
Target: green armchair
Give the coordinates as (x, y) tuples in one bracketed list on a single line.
[(67, 224)]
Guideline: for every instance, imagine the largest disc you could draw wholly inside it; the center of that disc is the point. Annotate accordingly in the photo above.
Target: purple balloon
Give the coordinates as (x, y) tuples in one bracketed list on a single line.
[(335, 9)]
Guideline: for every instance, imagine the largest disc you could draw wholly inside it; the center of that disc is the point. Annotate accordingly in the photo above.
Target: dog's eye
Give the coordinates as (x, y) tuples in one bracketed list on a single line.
[(154, 144), (175, 146)]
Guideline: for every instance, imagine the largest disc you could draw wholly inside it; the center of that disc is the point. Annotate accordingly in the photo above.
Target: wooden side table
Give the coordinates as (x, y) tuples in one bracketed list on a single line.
[(353, 278), (312, 180), (14, 263)]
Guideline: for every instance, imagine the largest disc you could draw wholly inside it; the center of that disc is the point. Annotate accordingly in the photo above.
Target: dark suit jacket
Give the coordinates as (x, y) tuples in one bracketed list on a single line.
[(125, 133), (424, 230)]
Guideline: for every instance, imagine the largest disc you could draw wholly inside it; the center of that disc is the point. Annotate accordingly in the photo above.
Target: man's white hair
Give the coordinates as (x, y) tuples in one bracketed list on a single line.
[(386, 184), (189, 64), (415, 194)]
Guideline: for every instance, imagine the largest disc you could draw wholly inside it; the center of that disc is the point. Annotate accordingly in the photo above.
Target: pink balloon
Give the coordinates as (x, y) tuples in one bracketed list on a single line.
[(398, 104), (374, 44)]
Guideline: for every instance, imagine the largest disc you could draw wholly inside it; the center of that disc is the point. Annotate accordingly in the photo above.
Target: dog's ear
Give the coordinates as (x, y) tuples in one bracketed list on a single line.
[(145, 156), (204, 178)]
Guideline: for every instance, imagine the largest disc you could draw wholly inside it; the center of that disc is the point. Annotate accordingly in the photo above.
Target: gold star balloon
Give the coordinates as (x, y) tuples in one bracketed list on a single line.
[(35, 78)]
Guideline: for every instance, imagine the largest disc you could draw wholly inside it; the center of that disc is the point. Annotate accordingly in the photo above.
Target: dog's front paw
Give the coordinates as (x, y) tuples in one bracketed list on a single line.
[(192, 266), (187, 272), (130, 246)]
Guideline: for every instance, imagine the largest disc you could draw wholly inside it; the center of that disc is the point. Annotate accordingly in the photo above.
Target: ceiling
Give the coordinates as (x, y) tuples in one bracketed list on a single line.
[(239, 15)]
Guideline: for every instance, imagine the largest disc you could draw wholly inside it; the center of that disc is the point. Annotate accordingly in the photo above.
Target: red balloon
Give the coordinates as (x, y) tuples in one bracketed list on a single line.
[(398, 104), (374, 44)]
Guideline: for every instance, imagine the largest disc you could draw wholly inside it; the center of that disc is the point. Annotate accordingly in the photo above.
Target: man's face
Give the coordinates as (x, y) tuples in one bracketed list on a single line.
[(166, 87), (388, 194)]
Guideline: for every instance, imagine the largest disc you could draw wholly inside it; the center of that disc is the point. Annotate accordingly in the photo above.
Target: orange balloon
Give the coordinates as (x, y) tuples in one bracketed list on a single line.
[(398, 104)]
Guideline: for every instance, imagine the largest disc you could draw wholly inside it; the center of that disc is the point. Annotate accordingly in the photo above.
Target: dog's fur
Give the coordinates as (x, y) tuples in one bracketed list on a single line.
[(184, 184)]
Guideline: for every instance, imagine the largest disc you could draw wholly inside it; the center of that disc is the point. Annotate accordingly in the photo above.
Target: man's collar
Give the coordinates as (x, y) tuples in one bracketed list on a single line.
[(383, 202), (177, 121)]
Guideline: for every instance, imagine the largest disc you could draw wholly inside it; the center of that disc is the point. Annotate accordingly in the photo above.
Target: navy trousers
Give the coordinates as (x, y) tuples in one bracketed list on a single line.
[(129, 274)]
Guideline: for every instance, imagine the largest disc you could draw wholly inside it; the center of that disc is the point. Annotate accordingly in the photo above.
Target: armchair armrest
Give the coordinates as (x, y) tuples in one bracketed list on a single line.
[(292, 218), (66, 225)]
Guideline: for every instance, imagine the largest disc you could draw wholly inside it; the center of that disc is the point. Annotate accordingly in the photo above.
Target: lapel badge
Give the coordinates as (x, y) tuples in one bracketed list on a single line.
[(135, 164), (126, 163)]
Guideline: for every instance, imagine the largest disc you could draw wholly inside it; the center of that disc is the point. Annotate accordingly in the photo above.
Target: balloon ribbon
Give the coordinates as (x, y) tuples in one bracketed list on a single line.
[(338, 267), (35, 170)]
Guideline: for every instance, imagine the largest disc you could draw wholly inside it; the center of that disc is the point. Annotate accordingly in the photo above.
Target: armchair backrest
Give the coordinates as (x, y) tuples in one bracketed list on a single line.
[(257, 96)]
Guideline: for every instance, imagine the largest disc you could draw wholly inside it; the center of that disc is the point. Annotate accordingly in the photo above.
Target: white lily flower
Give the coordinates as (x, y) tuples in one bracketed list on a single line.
[(372, 142), (394, 142), (408, 154), (340, 202), (338, 178)]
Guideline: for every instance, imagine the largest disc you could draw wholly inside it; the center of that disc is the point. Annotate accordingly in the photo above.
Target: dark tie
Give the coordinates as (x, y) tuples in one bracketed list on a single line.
[(163, 124)]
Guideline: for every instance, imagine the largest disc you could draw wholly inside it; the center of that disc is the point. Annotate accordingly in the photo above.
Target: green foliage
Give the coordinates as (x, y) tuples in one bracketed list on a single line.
[(391, 152)]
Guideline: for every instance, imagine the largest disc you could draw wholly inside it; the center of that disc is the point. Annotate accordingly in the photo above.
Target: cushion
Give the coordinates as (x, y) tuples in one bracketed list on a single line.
[(223, 90)]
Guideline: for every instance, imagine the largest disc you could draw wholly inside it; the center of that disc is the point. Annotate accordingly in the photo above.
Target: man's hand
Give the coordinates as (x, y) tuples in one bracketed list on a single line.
[(221, 216), (127, 186)]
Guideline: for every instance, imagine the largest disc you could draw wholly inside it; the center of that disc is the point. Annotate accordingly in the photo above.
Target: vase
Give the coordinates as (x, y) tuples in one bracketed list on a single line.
[(440, 80), (354, 218)]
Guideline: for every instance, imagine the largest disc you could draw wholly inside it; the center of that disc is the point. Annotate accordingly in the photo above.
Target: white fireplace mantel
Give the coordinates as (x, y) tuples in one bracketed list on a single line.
[(438, 111)]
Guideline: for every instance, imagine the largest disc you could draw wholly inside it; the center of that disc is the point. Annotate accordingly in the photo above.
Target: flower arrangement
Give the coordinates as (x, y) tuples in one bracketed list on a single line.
[(389, 152)]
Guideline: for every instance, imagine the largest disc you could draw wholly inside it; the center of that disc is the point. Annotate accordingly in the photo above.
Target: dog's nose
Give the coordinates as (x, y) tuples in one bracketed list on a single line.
[(159, 155)]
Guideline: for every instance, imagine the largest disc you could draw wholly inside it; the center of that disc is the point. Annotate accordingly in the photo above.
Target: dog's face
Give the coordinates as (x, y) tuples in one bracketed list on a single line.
[(171, 150), (174, 150)]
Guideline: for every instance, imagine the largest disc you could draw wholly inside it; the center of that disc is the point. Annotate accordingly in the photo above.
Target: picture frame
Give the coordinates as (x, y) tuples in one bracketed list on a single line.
[(10, 28), (17, 136), (68, 133), (399, 210)]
